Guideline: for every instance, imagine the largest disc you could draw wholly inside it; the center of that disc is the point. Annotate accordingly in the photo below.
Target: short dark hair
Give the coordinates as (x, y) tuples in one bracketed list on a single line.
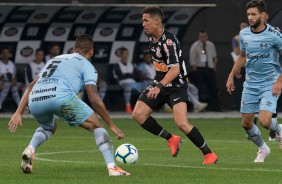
[(84, 43), (5, 48), (154, 11), (259, 4), (38, 50)]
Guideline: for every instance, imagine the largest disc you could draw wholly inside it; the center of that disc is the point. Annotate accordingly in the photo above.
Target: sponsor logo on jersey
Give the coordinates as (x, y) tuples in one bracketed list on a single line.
[(158, 52), (51, 80), (41, 98), (263, 45), (43, 90), (259, 56), (169, 42)]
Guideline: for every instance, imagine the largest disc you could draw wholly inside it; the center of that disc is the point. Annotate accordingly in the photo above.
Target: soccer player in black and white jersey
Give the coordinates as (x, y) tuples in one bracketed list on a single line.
[(169, 86)]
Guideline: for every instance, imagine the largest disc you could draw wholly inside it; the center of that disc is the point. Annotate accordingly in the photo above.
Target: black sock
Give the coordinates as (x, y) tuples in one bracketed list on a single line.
[(152, 126), (195, 136)]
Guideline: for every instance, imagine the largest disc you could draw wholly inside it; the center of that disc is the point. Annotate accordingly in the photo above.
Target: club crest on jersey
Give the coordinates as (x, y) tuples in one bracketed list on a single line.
[(169, 42), (263, 45), (158, 52)]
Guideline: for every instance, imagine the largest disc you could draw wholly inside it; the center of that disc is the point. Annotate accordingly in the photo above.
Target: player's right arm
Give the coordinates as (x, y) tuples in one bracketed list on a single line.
[(100, 108), (240, 62), (17, 116)]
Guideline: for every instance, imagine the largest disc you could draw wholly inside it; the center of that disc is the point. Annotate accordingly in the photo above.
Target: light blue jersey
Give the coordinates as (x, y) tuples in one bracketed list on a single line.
[(56, 89), (262, 52), (262, 68)]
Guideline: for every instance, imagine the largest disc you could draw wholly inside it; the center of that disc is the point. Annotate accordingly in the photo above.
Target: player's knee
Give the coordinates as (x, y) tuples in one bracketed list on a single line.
[(137, 116), (247, 124), (265, 122)]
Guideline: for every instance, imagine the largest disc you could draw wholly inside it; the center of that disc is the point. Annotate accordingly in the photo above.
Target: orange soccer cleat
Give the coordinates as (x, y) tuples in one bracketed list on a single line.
[(174, 144), (117, 171), (210, 158)]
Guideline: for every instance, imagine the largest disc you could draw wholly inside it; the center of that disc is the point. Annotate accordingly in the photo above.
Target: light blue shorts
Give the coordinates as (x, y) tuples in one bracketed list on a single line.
[(68, 107), (257, 99)]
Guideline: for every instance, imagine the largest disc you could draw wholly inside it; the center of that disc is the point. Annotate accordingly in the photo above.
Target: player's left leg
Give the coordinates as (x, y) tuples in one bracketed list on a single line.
[(180, 118)]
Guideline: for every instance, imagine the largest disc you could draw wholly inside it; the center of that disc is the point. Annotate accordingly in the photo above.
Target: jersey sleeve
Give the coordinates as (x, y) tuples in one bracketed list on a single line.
[(171, 51), (242, 46), (277, 40), (90, 74)]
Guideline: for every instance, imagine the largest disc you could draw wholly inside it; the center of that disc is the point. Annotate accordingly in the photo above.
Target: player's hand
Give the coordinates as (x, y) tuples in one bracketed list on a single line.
[(15, 121), (153, 93), (118, 132), (230, 85), (276, 88)]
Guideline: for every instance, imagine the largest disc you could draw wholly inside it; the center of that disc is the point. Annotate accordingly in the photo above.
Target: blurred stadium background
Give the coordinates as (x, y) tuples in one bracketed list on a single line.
[(27, 25)]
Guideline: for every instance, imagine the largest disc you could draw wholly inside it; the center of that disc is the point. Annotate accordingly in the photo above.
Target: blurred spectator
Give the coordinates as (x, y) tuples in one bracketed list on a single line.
[(193, 95), (8, 80), (126, 74), (54, 51), (34, 67), (240, 77), (146, 69), (203, 59)]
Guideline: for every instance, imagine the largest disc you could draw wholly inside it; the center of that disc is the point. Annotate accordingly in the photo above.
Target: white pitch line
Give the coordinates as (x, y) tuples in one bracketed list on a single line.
[(154, 165), (215, 168)]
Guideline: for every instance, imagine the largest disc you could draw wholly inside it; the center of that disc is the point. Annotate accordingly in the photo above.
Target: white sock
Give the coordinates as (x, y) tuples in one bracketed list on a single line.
[(104, 143)]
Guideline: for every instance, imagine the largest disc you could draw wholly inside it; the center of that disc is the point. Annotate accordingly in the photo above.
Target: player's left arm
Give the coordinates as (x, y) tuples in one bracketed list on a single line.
[(277, 87), (100, 108)]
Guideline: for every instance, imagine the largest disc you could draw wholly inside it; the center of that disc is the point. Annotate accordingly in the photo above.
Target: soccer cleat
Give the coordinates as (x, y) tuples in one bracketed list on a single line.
[(200, 107), (210, 158), (174, 144), (262, 153), (279, 137), (117, 171), (27, 158)]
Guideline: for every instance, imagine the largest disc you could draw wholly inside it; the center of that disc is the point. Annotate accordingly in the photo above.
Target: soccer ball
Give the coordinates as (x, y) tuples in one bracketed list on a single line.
[(126, 154)]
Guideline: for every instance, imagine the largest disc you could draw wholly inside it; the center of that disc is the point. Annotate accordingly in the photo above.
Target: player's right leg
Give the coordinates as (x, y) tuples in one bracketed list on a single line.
[(141, 114)]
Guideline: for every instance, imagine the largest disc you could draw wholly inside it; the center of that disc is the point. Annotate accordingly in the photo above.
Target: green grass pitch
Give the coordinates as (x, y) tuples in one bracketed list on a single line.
[(71, 156)]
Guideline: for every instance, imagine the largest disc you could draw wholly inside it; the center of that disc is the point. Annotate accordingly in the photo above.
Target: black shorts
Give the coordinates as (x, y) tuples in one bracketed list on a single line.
[(169, 95)]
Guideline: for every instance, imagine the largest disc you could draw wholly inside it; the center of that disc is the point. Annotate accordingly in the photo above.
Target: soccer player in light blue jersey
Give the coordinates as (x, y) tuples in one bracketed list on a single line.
[(54, 92), (260, 45)]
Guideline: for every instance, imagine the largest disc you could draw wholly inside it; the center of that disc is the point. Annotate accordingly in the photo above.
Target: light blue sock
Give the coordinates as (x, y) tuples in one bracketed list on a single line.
[(39, 137), (255, 135), (274, 126), (104, 143)]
